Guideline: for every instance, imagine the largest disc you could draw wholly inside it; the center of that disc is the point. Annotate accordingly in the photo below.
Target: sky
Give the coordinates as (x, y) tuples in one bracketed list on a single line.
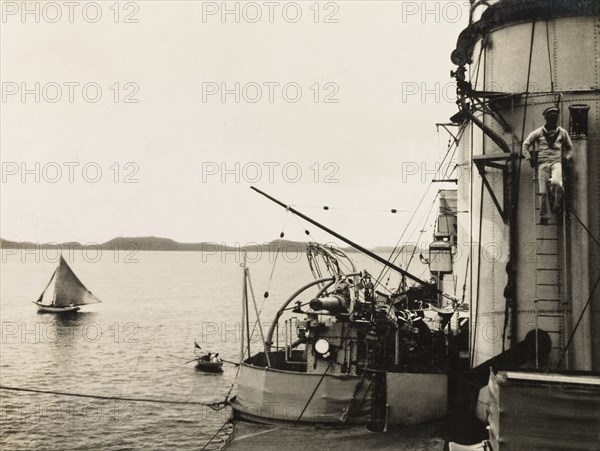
[(154, 118)]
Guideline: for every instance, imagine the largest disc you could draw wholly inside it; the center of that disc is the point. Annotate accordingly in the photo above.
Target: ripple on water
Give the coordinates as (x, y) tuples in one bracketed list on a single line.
[(134, 344)]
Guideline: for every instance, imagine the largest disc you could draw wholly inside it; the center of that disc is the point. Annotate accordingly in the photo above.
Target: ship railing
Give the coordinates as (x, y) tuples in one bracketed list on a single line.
[(290, 325)]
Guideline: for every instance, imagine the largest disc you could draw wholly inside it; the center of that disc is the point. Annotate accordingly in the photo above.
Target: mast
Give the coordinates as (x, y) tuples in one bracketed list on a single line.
[(245, 329), (57, 272)]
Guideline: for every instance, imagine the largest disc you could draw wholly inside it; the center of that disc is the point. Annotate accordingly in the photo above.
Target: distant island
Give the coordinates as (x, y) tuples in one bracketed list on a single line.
[(152, 243)]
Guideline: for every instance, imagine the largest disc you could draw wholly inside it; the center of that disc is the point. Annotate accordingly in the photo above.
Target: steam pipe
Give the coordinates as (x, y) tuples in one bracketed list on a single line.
[(464, 108), (510, 289), (269, 339), (578, 253)]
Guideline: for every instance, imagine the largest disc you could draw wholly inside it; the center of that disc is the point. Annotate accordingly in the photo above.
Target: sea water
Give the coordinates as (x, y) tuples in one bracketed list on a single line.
[(134, 344)]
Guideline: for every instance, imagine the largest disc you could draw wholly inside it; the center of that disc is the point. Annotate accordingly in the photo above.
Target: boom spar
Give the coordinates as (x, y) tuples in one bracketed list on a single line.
[(356, 246)]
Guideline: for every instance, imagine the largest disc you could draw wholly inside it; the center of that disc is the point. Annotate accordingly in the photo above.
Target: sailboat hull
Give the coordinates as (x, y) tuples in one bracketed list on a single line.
[(50, 309)]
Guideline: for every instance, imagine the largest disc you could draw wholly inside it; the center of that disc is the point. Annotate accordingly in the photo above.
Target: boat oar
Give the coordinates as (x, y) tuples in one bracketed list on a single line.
[(229, 361)]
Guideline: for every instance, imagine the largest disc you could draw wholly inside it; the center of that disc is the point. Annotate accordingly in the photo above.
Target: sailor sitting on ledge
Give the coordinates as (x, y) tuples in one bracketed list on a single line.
[(552, 143)]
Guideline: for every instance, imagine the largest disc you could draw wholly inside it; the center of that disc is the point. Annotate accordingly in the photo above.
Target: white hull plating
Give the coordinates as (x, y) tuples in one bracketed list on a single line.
[(271, 395)]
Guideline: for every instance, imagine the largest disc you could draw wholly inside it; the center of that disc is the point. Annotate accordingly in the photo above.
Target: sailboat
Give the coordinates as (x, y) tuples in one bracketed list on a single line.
[(68, 294)]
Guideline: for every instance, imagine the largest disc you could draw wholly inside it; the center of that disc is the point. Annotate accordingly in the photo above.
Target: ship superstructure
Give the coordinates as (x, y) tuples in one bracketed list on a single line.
[(530, 299), (533, 284), (340, 351)]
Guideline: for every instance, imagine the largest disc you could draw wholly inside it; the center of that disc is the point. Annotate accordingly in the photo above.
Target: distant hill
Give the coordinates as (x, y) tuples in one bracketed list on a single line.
[(150, 243), (166, 244), (153, 243)]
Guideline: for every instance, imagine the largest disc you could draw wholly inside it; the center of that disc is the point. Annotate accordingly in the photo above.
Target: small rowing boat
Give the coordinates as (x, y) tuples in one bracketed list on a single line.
[(211, 363), (204, 363)]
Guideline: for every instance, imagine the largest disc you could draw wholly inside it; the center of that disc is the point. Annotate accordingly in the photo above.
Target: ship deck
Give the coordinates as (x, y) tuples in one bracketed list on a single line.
[(253, 436)]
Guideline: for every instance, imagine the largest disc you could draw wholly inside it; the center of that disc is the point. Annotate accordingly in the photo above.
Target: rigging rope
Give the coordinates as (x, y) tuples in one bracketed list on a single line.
[(527, 87), (332, 258), (478, 284), (231, 388), (346, 410), (587, 304), (374, 210), (47, 285), (266, 293), (386, 270), (111, 398), (281, 235), (589, 232), (515, 197), (229, 420), (343, 343), (450, 169), (383, 271), (262, 336), (420, 236), (473, 324), (315, 390), (464, 288), (549, 56)]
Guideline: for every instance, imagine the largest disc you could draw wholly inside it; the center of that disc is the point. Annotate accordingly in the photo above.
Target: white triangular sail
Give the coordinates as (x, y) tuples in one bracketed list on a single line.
[(69, 290), (41, 298)]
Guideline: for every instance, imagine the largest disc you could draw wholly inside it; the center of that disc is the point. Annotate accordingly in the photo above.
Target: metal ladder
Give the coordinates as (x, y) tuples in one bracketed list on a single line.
[(549, 264)]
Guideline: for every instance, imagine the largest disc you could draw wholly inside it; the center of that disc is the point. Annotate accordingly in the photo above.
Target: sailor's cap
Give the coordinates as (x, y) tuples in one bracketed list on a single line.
[(552, 109)]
